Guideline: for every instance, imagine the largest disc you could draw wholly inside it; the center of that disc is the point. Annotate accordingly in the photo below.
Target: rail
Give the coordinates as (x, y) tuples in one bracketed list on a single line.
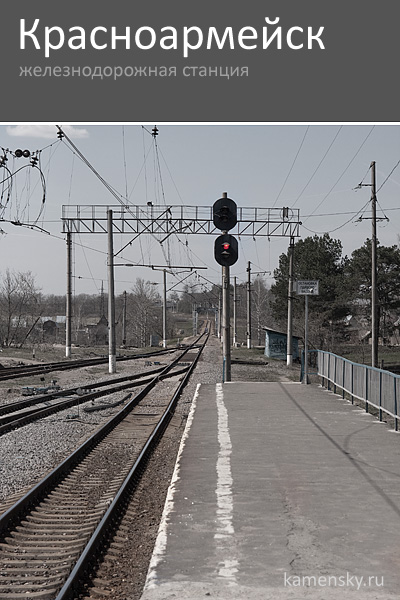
[(39, 490), (375, 387), (75, 528)]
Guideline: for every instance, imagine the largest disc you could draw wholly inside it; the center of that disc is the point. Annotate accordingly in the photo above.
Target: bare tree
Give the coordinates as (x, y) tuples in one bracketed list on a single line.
[(144, 313), (261, 306), (19, 307)]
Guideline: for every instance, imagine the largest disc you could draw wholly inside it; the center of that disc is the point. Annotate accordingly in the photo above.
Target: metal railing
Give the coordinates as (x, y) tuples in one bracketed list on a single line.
[(374, 387)]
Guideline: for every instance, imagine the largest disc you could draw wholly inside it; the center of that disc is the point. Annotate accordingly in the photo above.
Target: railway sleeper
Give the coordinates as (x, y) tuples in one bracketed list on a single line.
[(54, 584), (34, 535), (51, 529), (43, 595), (20, 572), (32, 551), (66, 496), (36, 564), (55, 520), (76, 510)]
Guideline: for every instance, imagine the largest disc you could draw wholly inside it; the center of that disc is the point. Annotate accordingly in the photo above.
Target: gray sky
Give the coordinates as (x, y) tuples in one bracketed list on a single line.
[(311, 167)]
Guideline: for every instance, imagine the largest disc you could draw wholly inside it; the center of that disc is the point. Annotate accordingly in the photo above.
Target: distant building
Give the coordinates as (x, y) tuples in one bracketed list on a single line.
[(155, 340), (96, 331), (53, 328), (276, 344)]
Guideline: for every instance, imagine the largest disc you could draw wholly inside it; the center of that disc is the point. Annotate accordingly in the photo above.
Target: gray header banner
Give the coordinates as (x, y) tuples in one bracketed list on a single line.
[(323, 61)]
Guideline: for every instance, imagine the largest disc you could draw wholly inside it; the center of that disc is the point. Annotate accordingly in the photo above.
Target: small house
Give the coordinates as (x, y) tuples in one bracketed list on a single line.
[(276, 344), (52, 328)]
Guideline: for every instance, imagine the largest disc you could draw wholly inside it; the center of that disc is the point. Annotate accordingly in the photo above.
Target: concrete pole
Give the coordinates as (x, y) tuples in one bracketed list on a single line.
[(234, 314), (68, 308), (194, 319), (289, 352), (226, 325), (112, 352), (374, 315), (219, 317), (249, 305), (164, 343), (305, 376), (124, 322)]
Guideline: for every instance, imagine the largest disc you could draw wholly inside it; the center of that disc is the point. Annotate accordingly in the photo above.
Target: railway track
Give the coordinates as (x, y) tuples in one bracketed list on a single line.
[(30, 370), (18, 414), (52, 536)]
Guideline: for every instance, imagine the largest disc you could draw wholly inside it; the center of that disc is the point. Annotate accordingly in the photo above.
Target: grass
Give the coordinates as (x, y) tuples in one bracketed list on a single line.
[(263, 367), (362, 354), (49, 353), (243, 353)]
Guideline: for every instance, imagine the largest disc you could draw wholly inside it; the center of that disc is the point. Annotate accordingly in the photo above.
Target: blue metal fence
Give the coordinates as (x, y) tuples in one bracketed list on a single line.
[(374, 387)]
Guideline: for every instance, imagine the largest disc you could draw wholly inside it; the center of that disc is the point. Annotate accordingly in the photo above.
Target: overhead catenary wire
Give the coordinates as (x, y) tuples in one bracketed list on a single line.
[(248, 247), (119, 197), (88, 265), (318, 166), (158, 170), (292, 166), (22, 211), (170, 174), (124, 161), (109, 187), (123, 201)]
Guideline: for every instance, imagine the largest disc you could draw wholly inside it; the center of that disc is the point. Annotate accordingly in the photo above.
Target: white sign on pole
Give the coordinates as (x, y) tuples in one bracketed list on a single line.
[(308, 288)]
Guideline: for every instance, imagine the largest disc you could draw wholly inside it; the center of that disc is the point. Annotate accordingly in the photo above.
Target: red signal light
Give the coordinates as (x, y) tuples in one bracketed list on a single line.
[(226, 250)]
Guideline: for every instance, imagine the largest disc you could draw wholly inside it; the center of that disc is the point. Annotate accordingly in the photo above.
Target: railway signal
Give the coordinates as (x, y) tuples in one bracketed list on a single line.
[(226, 250), (225, 213)]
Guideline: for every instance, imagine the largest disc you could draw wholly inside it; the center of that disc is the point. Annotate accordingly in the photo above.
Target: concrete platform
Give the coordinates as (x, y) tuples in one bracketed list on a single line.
[(281, 491)]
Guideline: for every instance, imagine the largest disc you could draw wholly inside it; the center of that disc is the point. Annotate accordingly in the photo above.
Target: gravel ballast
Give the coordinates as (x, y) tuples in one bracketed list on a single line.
[(28, 453)]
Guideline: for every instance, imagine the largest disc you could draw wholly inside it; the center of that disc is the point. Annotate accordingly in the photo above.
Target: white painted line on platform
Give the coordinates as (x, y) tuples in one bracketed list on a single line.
[(227, 563), (160, 546)]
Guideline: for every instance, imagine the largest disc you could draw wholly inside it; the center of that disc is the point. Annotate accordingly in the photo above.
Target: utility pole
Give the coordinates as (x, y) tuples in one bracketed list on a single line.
[(164, 343), (305, 376), (194, 318), (124, 322), (112, 352), (102, 300), (374, 315), (289, 352), (234, 314), (219, 316), (226, 325), (249, 305), (68, 308)]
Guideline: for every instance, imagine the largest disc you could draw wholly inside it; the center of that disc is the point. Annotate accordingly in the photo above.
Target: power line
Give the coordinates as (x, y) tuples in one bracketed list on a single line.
[(345, 170), (291, 168), (382, 184), (340, 226), (319, 164)]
